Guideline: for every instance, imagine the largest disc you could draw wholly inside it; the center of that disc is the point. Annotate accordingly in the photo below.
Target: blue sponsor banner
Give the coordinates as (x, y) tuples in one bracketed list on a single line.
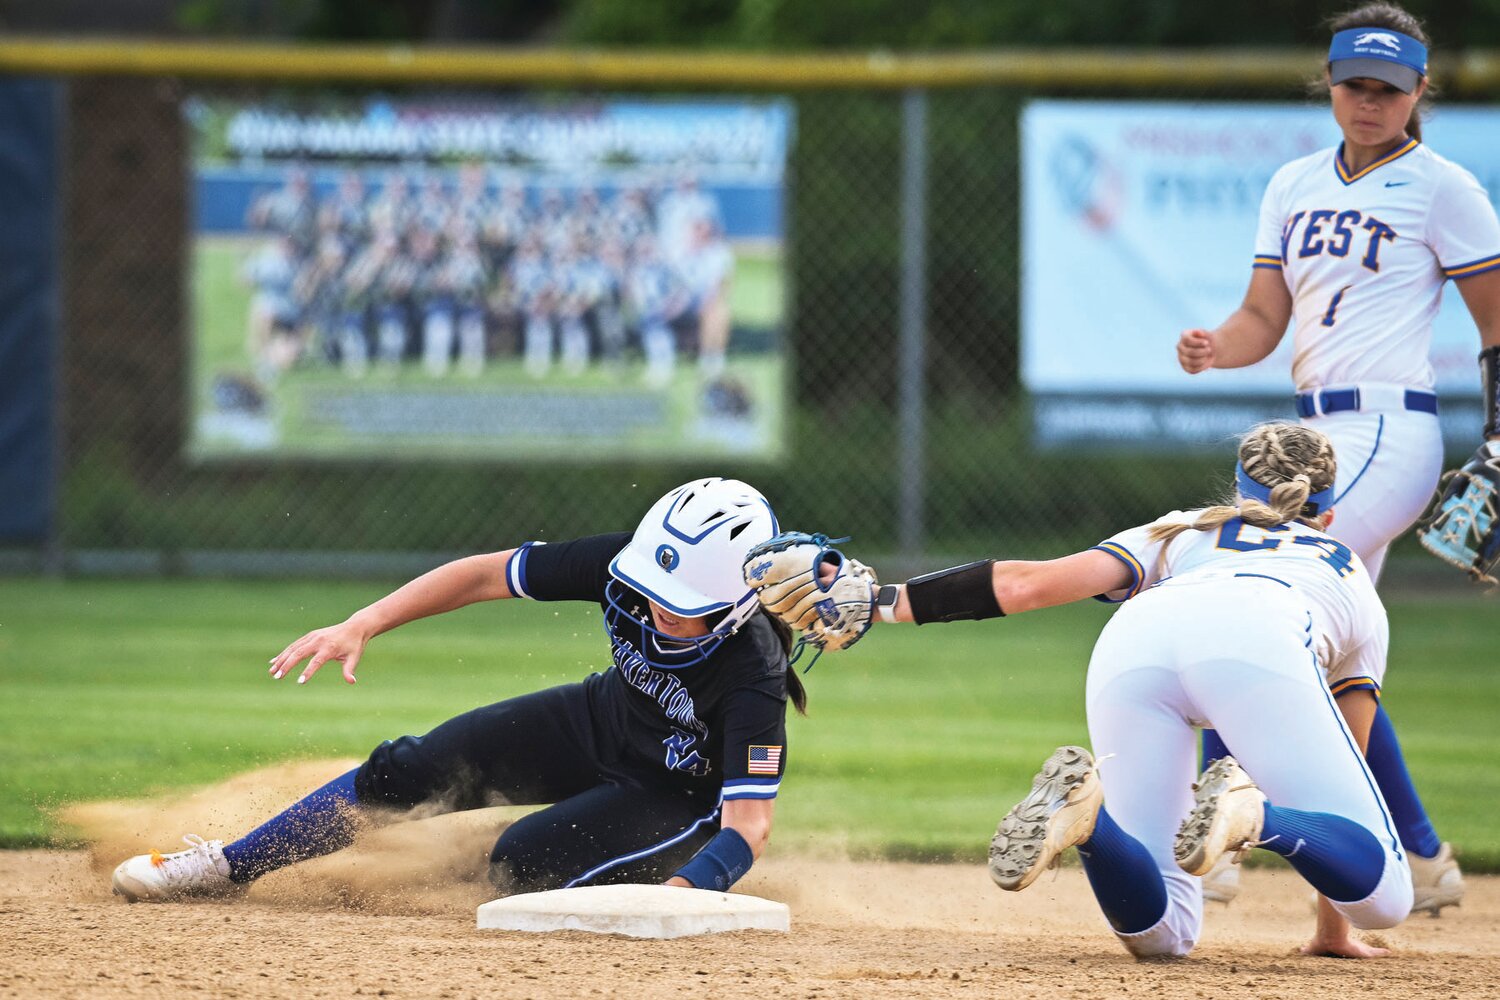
[(28, 306), (1139, 222)]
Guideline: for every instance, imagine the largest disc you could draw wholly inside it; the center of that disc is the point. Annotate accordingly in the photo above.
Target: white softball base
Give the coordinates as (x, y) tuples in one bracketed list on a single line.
[(641, 911)]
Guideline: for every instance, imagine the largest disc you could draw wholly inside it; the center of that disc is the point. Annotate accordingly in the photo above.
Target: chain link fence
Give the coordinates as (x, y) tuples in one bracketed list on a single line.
[(962, 480)]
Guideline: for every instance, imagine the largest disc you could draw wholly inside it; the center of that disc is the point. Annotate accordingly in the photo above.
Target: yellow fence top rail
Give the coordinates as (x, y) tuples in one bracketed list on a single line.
[(1471, 73)]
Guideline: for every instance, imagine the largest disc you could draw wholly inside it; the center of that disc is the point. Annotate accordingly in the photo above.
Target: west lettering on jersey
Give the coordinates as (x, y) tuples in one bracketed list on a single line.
[(1378, 231), (1337, 240)]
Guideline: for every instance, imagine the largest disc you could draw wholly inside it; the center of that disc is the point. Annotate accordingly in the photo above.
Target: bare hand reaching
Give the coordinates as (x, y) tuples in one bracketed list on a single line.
[(344, 643)]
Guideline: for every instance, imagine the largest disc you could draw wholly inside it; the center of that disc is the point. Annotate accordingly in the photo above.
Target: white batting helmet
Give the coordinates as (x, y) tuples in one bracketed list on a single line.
[(687, 552)]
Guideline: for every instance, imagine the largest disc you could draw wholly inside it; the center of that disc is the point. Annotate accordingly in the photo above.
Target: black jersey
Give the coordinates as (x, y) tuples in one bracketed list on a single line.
[(720, 720)]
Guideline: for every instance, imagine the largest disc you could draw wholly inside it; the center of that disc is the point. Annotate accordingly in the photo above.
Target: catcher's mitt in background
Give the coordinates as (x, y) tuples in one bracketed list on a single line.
[(813, 587), (1461, 526)]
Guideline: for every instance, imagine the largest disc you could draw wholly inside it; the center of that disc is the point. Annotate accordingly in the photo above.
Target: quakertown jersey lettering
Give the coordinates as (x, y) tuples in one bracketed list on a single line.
[(1365, 257)]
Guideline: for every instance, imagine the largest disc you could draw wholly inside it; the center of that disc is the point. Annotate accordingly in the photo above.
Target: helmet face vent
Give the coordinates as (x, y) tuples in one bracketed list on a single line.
[(712, 517), (734, 532)]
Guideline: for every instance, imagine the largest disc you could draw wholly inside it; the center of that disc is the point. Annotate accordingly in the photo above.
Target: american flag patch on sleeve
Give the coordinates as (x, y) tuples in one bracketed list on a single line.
[(765, 760)]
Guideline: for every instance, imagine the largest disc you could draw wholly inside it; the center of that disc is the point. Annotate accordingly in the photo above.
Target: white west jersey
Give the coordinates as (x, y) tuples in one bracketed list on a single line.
[(1365, 257), (1347, 628)]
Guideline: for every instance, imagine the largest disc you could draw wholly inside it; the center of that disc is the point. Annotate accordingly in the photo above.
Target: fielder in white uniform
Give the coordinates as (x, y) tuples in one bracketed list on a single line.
[(1354, 247), (1239, 617)]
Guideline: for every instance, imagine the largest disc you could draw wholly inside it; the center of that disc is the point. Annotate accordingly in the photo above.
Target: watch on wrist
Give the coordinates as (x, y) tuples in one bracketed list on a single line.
[(885, 601)]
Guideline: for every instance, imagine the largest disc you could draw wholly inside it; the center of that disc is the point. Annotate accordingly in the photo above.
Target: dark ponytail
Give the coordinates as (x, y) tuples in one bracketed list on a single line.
[(794, 688), (1388, 15)]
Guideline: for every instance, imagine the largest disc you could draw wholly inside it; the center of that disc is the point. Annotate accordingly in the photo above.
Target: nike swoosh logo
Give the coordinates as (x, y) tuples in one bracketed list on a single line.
[(1396, 184)]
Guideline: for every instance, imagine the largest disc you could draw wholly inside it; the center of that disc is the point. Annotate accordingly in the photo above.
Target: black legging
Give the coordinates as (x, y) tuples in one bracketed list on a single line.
[(605, 825)]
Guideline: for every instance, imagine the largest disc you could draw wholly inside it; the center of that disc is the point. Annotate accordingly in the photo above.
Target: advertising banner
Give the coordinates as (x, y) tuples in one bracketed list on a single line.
[(466, 277)]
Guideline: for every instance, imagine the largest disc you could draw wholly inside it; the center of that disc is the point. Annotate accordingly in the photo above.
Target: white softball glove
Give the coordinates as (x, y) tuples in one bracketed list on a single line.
[(813, 587)]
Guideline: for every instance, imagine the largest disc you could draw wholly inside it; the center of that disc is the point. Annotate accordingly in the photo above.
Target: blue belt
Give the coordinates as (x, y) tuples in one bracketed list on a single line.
[(1340, 400)]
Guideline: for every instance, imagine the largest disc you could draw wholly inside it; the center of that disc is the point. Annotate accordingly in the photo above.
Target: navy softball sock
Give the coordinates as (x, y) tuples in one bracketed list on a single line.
[(1340, 858), (1125, 879), (1389, 767), (319, 824), (1213, 748)]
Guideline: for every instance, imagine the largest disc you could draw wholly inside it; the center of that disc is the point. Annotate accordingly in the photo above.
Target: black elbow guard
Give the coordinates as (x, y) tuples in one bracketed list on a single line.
[(963, 593), (1489, 381)]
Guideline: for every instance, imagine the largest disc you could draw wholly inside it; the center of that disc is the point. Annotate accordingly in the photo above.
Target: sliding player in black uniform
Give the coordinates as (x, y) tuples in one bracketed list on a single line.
[(664, 767)]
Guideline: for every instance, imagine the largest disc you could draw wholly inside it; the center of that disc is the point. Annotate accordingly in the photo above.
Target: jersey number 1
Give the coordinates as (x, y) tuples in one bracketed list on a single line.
[(1333, 306)]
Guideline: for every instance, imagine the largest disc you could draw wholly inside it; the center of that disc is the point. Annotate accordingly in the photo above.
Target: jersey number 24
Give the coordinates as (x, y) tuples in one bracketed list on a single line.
[(1335, 553)]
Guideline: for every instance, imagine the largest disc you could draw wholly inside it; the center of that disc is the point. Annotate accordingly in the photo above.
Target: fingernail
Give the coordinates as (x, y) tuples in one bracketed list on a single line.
[(301, 680)]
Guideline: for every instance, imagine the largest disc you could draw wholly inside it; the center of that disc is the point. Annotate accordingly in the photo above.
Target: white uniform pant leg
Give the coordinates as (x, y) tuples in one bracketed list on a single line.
[(437, 341), (1147, 750), (1388, 467), (1254, 679)]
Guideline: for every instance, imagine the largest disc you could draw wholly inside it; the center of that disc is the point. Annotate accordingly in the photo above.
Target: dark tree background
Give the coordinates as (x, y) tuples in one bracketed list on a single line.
[(748, 24)]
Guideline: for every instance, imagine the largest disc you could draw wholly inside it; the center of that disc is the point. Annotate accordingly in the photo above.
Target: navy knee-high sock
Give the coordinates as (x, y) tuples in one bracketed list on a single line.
[(1125, 879), (1389, 767), (321, 823), (1213, 747), (1340, 858)]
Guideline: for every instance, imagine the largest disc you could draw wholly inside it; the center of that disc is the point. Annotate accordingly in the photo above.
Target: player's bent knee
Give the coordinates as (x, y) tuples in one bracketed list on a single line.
[(1388, 905), (400, 774), (1166, 939)]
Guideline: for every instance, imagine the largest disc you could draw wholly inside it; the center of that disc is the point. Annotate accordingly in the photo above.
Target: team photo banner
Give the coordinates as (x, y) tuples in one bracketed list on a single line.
[(1138, 221), (452, 276)]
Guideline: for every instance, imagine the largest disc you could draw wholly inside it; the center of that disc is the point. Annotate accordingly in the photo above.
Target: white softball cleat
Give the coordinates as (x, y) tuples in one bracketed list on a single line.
[(1058, 814), (1435, 882), (198, 872), (1222, 883), (1228, 812)]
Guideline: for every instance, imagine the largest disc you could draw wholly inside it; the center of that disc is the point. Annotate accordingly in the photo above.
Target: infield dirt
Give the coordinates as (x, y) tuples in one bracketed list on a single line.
[(394, 916)]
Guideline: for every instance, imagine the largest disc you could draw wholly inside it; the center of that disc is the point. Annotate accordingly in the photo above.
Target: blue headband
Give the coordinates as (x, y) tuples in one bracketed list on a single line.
[(1316, 503), (1382, 44)]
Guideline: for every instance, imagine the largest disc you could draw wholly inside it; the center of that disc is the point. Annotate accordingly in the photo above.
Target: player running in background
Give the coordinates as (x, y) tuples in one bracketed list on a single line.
[(1354, 246), (1238, 616), (665, 767)]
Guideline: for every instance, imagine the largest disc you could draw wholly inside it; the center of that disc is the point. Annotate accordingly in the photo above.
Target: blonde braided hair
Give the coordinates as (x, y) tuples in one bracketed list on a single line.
[(1293, 460)]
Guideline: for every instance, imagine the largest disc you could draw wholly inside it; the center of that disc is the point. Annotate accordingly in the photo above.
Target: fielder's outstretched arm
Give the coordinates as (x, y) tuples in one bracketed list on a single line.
[(452, 585), (992, 589)]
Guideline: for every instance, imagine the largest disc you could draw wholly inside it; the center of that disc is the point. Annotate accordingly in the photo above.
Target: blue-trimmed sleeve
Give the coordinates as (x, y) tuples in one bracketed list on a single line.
[(515, 570), (1462, 226), (754, 755), (1467, 270), (1348, 684), (751, 788), (1268, 229), (1137, 572), (576, 570), (1139, 554)]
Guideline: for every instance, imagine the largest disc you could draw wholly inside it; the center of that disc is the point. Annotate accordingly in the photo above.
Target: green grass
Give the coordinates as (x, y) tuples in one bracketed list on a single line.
[(915, 743)]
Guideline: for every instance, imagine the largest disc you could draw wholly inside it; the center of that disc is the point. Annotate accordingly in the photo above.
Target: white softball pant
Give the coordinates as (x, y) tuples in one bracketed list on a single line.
[(1228, 653), (1389, 462)]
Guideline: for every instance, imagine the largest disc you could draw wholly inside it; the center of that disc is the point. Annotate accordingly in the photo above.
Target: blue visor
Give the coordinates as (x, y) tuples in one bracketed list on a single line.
[(1377, 54), (1316, 503)]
